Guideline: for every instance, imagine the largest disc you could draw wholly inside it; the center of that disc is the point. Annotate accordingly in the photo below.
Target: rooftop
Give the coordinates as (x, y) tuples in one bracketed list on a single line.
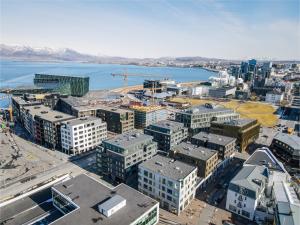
[(47, 114), (167, 124), (168, 167), (214, 138), (193, 151), (235, 123), (207, 108), (250, 177), (88, 193), (291, 140), (146, 108), (82, 120), (129, 139), (264, 157)]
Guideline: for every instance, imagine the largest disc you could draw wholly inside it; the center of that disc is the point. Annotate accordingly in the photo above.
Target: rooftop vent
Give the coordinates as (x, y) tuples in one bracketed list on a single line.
[(83, 118), (112, 205), (37, 107), (58, 117), (159, 163), (44, 112)]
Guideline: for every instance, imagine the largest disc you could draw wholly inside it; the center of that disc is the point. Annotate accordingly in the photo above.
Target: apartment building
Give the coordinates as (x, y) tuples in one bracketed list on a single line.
[(169, 181), (167, 134), (118, 120), (246, 131), (199, 118), (118, 158), (82, 134), (44, 124), (206, 160), (287, 148), (223, 144), (146, 115), (83, 200)]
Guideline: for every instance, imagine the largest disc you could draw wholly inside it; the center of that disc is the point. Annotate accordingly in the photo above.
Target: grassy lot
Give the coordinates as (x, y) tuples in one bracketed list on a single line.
[(264, 113)]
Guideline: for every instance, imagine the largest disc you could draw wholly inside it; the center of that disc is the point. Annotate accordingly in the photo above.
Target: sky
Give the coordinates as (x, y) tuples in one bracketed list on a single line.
[(230, 29)]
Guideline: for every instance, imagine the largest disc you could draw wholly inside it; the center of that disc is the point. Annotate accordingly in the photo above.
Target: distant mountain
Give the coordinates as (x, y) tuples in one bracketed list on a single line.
[(29, 53)]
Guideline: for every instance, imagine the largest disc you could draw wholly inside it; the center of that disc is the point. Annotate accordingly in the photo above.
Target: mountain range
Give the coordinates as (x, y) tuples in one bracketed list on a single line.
[(66, 54)]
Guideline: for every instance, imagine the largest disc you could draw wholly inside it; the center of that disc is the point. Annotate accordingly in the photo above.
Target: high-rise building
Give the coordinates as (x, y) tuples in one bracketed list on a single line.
[(118, 158)]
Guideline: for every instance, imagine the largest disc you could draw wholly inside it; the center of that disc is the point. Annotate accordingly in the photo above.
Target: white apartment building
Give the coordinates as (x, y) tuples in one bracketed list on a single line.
[(171, 182), (82, 134)]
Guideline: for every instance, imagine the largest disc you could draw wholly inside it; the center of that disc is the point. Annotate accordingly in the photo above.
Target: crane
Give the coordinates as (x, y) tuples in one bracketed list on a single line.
[(126, 75)]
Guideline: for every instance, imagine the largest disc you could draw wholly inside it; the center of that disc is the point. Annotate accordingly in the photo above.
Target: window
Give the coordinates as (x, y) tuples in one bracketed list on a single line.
[(170, 183), (169, 198), (232, 208), (245, 213), (169, 191), (146, 173)]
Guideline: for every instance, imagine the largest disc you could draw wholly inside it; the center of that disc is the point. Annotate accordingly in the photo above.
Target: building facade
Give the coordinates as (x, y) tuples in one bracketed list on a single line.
[(222, 92), (206, 160), (287, 148), (274, 97), (118, 158), (118, 120), (82, 134), (70, 85), (167, 134), (226, 146), (246, 131), (171, 182), (146, 115), (199, 118)]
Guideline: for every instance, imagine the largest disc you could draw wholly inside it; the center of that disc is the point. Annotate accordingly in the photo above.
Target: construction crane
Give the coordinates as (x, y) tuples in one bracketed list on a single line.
[(126, 75)]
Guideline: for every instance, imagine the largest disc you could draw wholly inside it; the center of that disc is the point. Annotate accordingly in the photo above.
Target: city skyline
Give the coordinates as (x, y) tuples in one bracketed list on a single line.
[(214, 29)]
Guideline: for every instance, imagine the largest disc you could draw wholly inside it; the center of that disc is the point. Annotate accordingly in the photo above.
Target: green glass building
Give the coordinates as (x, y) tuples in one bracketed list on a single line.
[(69, 85)]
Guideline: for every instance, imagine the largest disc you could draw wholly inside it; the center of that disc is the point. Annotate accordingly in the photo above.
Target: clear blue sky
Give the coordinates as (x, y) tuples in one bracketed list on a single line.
[(236, 29)]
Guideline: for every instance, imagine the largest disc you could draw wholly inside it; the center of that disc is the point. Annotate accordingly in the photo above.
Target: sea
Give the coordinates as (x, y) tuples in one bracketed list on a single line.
[(21, 73)]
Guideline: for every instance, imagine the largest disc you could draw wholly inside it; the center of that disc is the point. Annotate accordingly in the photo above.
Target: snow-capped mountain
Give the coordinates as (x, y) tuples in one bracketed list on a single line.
[(30, 53)]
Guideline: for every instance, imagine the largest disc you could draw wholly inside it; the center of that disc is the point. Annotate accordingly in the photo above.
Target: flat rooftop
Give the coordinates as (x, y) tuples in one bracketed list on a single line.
[(168, 167), (291, 140), (201, 153), (214, 138), (264, 157), (146, 108), (167, 124), (47, 114), (88, 193), (129, 139), (200, 109), (82, 120), (236, 122)]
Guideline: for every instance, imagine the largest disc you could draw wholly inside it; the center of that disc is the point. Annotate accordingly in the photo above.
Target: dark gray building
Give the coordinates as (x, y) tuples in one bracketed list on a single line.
[(118, 158), (223, 144), (222, 92), (167, 133)]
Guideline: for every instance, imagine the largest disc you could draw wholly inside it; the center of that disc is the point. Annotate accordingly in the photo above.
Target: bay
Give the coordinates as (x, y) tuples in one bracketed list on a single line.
[(21, 73)]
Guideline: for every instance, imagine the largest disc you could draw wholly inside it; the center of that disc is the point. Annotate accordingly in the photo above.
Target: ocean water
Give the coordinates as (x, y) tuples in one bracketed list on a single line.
[(21, 73)]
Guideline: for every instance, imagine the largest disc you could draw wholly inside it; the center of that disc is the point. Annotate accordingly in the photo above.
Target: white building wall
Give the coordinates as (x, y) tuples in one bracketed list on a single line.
[(82, 137), (182, 192), (274, 98), (247, 204)]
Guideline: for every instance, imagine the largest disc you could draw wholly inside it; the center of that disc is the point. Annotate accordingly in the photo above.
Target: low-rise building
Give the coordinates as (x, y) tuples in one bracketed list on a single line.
[(223, 144), (171, 182), (146, 115), (118, 158), (222, 92), (206, 160), (274, 97), (118, 120), (82, 134), (245, 190), (199, 118), (83, 200), (167, 133), (246, 131), (287, 148)]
